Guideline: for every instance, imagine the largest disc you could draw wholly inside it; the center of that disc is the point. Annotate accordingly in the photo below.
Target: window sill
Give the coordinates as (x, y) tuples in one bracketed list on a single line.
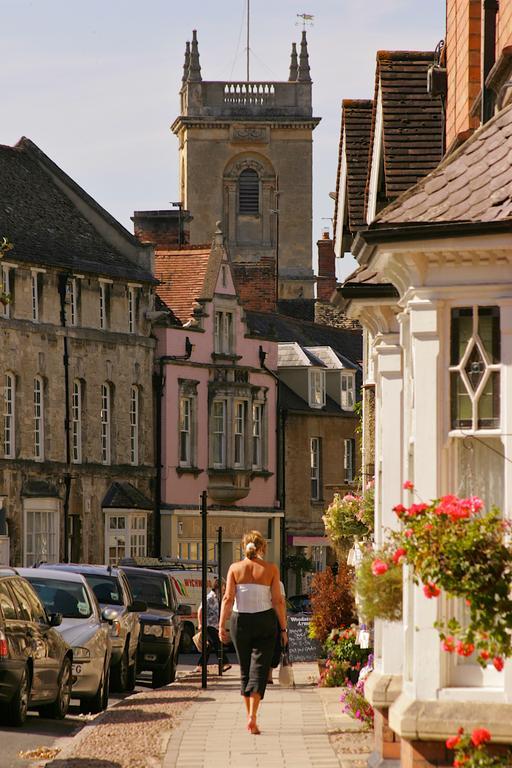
[(189, 471), (480, 432), (261, 473), (226, 356)]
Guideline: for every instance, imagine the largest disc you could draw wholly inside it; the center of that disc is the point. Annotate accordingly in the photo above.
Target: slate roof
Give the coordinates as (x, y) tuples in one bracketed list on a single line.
[(412, 119), (46, 227), (355, 134), (474, 184), (125, 496), (182, 273), (348, 343)]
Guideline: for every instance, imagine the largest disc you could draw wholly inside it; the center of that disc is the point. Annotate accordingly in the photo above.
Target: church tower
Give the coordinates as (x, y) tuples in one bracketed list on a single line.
[(245, 158)]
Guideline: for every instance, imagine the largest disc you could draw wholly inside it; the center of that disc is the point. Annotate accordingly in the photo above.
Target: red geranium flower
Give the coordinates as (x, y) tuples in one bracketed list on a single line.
[(408, 533), (484, 654), (416, 509), (460, 762), (399, 510), (408, 485), (448, 644), (498, 663), (379, 567), (397, 556), (431, 590), (464, 649), (480, 736), (452, 742)]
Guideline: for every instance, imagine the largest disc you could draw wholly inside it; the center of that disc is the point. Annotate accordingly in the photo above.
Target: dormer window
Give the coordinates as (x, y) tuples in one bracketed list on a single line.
[(223, 333), (249, 192), (316, 388), (347, 391)]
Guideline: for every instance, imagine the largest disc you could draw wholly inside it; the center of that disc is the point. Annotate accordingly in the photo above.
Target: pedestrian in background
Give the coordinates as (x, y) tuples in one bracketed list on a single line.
[(212, 625), (254, 602)]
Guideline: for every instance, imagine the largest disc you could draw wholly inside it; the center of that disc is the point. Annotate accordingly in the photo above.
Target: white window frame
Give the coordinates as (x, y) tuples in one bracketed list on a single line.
[(223, 332), (9, 415), (134, 425), (38, 415), (76, 422), (348, 391), (132, 309), (316, 387), (104, 304), (5, 309), (349, 460), (106, 423), (222, 439), (133, 541), (185, 431), (257, 435), (315, 459), (41, 539), (239, 432)]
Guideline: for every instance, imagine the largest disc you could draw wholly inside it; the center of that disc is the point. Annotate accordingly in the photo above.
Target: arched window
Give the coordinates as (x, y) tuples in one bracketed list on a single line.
[(249, 192), (9, 416)]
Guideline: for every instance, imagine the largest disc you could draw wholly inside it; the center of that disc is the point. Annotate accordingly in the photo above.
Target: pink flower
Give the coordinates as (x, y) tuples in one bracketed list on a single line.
[(498, 663), (379, 567), (408, 533), (480, 736), (431, 590), (399, 554), (448, 644), (408, 486)]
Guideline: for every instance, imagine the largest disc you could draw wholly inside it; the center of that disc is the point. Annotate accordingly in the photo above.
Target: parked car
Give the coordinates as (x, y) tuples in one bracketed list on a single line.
[(35, 661), (160, 634), (112, 590), (299, 604), (84, 627)]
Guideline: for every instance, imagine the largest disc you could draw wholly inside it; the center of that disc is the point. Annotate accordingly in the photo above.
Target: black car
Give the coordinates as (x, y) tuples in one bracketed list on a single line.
[(35, 662), (160, 626)]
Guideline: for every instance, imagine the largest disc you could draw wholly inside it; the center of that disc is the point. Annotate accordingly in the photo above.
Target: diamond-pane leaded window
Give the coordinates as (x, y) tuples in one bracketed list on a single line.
[(475, 368)]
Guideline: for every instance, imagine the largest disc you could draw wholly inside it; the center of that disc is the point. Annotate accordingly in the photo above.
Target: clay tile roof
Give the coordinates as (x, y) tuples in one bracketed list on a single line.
[(356, 121), (412, 119), (182, 274), (474, 184), (46, 226)]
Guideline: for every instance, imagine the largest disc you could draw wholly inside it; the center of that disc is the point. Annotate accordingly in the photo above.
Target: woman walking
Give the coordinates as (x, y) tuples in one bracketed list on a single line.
[(252, 600)]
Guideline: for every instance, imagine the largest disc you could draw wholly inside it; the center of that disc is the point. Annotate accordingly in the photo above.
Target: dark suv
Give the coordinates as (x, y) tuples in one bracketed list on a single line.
[(35, 662), (112, 590), (160, 626)]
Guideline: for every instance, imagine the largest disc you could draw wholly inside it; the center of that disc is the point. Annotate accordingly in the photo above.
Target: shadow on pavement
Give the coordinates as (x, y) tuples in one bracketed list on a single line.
[(82, 762)]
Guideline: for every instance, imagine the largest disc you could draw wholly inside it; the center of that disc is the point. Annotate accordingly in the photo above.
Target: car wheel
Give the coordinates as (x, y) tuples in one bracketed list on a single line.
[(119, 676), (16, 710), (186, 642), (99, 701), (59, 708)]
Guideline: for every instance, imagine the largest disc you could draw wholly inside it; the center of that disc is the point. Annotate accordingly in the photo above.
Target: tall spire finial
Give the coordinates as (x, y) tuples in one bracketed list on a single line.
[(304, 74), (194, 70), (293, 64), (186, 65)]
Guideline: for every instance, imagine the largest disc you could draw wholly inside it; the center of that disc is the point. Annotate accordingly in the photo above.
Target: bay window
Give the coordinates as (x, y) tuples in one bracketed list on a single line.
[(41, 531), (219, 433), (125, 536), (239, 434)]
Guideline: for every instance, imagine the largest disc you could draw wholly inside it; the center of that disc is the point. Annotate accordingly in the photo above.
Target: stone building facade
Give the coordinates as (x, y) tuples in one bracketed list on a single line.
[(258, 181), (76, 368)]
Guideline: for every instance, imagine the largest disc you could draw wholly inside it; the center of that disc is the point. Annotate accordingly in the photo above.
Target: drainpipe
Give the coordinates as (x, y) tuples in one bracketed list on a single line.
[(63, 281), (490, 10), (159, 389)]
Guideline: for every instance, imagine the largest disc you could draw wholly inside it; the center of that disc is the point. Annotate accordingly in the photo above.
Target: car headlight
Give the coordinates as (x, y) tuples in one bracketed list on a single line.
[(81, 654), (154, 629)]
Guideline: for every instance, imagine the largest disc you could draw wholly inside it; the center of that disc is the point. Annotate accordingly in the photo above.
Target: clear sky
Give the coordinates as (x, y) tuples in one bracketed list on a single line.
[(94, 83)]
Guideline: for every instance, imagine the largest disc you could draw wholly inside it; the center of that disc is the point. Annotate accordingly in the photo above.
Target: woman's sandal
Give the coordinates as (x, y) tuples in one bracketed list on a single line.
[(252, 727)]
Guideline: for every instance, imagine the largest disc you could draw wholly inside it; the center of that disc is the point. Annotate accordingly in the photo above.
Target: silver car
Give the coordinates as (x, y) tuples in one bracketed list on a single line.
[(83, 627)]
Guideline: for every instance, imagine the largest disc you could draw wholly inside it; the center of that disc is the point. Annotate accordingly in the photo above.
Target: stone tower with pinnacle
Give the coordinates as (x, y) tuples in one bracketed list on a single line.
[(245, 158)]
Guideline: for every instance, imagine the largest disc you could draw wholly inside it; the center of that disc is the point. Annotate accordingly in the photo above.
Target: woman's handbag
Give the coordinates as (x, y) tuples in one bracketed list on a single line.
[(286, 678)]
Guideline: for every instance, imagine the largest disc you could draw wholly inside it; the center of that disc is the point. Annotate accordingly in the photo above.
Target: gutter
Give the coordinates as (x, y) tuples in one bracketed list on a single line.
[(63, 281)]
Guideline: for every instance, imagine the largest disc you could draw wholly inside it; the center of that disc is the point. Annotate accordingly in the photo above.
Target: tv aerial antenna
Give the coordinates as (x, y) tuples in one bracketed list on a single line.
[(307, 20)]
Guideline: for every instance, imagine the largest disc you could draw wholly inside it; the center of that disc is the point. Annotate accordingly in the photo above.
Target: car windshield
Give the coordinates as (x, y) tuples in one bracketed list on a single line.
[(69, 598), (106, 589), (153, 590)]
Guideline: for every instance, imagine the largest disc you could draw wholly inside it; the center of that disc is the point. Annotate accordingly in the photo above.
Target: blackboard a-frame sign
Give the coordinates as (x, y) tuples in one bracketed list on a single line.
[(302, 647)]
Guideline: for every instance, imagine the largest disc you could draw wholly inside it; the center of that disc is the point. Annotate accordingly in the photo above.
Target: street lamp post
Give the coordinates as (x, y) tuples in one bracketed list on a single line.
[(204, 565)]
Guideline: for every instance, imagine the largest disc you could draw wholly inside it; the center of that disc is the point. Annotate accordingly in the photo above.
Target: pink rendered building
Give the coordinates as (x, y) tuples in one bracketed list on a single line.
[(218, 408)]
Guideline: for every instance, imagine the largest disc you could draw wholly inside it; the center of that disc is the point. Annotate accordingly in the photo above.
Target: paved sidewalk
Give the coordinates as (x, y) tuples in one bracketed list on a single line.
[(294, 728)]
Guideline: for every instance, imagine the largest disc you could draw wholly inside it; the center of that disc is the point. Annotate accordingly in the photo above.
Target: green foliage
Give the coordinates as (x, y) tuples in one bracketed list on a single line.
[(453, 546), (332, 601), (379, 596), (472, 751), (299, 563), (350, 515), (341, 646), (334, 674)]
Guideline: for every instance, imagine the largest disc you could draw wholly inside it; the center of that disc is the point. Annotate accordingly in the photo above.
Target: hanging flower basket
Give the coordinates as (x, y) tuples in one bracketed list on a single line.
[(378, 584)]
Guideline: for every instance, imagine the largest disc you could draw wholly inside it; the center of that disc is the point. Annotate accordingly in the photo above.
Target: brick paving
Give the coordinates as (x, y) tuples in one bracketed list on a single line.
[(212, 733)]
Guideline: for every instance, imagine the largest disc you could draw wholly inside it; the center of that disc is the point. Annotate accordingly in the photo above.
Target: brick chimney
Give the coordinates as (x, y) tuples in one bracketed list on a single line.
[(256, 284), (165, 229), (326, 280)]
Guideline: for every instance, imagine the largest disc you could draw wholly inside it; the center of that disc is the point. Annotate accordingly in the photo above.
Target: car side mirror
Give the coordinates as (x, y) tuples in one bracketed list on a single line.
[(55, 619), (184, 609), (138, 606), (109, 615)]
